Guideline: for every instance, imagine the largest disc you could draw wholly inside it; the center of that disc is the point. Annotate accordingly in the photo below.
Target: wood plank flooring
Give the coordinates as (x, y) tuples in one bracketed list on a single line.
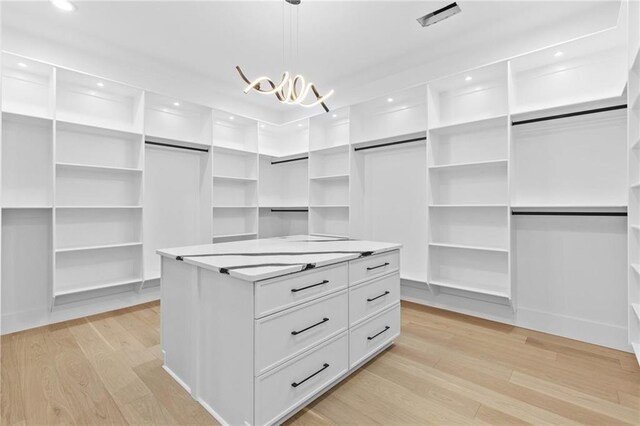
[(445, 369)]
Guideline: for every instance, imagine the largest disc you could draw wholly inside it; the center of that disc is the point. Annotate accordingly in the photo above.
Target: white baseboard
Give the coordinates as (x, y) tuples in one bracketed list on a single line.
[(18, 321), (608, 335), (177, 378)]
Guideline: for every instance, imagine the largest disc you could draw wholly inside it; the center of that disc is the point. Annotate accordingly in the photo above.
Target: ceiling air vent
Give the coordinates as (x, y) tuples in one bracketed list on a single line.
[(439, 14)]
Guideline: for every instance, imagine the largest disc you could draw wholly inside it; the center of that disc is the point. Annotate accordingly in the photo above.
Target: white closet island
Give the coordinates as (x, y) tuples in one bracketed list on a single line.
[(254, 330)]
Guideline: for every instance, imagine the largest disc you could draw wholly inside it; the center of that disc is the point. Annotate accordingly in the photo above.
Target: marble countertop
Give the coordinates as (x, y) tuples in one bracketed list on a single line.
[(255, 260)]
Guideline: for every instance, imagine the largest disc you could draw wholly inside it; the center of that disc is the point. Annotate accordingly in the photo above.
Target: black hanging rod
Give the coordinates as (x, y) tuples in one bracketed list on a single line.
[(569, 213), (290, 160), (168, 145), (569, 114), (289, 210), (362, 148)]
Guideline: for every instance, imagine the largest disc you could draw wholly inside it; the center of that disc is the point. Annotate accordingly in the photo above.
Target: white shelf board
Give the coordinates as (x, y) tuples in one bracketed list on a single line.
[(236, 178), (470, 164), (571, 207), (330, 206), (321, 234), (236, 151), (465, 125), (95, 167), (330, 149), (468, 247), (467, 287), (71, 125), (118, 283), (97, 247), (26, 207), (636, 268), (24, 117), (243, 234), (93, 125), (284, 207), (235, 207), (467, 205), (99, 207), (330, 177)]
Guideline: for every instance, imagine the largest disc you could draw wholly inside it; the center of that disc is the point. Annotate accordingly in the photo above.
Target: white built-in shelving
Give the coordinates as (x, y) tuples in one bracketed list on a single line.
[(329, 169), (468, 178), (633, 139), (235, 178), (283, 189)]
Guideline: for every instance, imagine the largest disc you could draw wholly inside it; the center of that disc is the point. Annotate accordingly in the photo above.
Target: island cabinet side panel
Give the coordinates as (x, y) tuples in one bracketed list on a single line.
[(226, 347), (177, 335)]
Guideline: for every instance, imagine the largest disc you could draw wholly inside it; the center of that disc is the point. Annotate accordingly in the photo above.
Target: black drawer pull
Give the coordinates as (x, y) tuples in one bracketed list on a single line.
[(310, 327), (324, 367), (378, 297), (379, 266), (386, 327), (295, 290)]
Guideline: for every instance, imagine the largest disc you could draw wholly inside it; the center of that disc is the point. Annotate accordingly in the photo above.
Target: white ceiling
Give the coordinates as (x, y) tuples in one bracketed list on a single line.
[(340, 42)]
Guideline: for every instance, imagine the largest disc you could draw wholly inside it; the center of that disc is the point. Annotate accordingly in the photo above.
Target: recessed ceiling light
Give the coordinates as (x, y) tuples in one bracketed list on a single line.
[(389, 99), (334, 115), (468, 78), (65, 5), (176, 103), (100, 84), (22, 65), (558, 54), (92, 93), (231, 117), (299, 124), (262, 125), (165, 110)]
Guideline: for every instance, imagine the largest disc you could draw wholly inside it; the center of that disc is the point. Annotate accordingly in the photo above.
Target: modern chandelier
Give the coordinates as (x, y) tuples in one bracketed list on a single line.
[(292, 90)]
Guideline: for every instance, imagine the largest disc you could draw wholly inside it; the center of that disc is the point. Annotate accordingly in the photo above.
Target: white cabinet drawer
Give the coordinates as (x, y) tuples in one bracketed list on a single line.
[(284, 335), (283, 389), (373, 296), (276, 294), (373, 266), (371, 335)]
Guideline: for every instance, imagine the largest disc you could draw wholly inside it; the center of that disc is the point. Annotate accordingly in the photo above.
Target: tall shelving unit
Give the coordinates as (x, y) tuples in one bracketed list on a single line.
[(388, 175), (98, 157), (235, 178), (633, 137), (468, 175), (26, 198), (329, 169), (283, 189)]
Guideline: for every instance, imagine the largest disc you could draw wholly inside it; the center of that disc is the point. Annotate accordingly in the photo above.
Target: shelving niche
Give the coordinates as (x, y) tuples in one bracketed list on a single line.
[(468, 180), (27, 87)]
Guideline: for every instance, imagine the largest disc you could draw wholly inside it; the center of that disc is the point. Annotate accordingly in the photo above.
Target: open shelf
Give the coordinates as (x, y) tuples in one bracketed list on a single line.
[(283, 184), (329, 220), (469, 185), (395, 114), (470, 98), (588, 69), (329, 192), (234, 164), (81, 271), (170, 118), (470, 227), (288, 140), (97, 187), (92, 101), (329, 177), (479, 124), (329, 163), (234, 192), (234, 221), (27, 150), (329, 130), (27, 87), (279, 224), (97, 227), (242, 179), (81, 144), (110, 284), (234, 237), (477, 271), (234, 132)]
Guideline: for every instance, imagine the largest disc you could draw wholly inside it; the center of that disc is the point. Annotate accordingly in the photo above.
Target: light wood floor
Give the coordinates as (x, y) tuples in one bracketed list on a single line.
[(444, 369)]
